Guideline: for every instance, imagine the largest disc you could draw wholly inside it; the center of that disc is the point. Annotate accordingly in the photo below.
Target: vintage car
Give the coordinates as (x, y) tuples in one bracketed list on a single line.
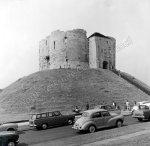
[(47, 119), (143, 112), (9, 138), (135, 107), (110, 108), (93, 119), (9, 127)]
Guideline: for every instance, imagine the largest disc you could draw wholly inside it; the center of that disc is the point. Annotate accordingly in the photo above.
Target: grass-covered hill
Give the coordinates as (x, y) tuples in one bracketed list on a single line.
[(63, 89)]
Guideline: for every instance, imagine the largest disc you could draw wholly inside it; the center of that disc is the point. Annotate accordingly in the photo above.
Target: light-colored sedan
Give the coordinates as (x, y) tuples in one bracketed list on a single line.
[(136, 107), (91, 120), (9, 127)]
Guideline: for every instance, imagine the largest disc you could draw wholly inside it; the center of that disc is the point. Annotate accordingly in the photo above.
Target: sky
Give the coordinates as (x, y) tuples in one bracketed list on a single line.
[(23, 23)]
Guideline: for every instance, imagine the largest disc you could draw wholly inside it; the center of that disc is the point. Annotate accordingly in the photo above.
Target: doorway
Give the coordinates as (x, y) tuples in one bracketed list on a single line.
[(105, 64)]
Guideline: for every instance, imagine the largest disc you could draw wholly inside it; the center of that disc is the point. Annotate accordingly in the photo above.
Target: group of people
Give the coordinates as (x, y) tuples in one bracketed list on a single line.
[(127, 105)]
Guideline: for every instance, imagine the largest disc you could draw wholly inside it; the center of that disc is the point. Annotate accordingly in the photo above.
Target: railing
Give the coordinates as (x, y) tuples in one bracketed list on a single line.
[(132, 80)]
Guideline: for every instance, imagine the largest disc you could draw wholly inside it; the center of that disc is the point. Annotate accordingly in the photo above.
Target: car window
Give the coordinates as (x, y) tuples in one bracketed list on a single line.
[(38, 116), (50, 114), (43, 115), (108, 107), (57, 114), (33, 117), (144, 107), (105, 114), (103, 107), (97, 115)]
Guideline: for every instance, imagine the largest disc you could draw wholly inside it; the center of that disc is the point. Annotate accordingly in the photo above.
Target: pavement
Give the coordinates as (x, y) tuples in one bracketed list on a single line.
[(132, 139), (119, 139)]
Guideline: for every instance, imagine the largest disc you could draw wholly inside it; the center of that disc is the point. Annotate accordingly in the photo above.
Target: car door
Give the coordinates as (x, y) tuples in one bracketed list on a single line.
[(106, 115), (98, 119), (51, 119), (59, 118)]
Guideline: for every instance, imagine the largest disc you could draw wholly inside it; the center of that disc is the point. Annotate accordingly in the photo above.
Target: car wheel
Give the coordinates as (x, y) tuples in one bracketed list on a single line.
[(11, 143), (140, 119), (148, 118), (119, 123), (70, 122), (92, 129), (10, 129), (44, 126)]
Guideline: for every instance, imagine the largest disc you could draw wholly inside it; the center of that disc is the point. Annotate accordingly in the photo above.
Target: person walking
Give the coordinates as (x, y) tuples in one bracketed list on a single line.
[(113, 104), (87, 105), (127, 104)]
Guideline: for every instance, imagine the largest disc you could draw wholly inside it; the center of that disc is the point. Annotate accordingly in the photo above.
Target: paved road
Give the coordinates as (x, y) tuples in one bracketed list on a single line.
[(37, 136)]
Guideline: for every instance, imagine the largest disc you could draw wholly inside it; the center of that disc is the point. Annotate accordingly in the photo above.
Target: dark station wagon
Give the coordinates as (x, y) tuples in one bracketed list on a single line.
[(48, 119)]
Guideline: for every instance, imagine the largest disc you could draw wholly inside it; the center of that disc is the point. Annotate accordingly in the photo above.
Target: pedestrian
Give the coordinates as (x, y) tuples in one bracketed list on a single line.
[(127, 104), (113, 104), (134, 102), (87, 105), (104, 102)]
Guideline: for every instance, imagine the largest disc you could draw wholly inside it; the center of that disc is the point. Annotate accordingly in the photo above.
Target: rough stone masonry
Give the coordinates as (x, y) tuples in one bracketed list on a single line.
[(73, 49)]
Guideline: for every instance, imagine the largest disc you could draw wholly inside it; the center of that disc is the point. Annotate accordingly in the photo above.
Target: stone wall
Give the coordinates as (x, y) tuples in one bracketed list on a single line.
[(64, 50), (101, 52), (72, 49)]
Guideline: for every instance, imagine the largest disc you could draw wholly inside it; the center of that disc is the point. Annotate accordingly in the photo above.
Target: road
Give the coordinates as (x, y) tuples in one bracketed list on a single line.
[(34, 136)]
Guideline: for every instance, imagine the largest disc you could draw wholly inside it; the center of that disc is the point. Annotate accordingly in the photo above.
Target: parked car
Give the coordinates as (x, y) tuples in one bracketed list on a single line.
[(93, 119), (143, 112), (8, 138), (9, 127), (110, 108), (47, 119), (135, 107)]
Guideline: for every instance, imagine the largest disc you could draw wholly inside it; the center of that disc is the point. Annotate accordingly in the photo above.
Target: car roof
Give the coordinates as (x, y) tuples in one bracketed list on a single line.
[(44, 112), (148, 104), (142, 102), (91, 111)]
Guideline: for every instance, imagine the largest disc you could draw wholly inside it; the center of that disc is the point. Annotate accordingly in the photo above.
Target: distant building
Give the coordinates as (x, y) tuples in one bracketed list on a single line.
[(72, 49)]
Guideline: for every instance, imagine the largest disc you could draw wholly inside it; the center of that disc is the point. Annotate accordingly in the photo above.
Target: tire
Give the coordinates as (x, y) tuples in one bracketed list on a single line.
[(44, 126), (11, 143), (119, 123), (148, 118), (70, 122), (92, 129), (10, 129), (140, 119)]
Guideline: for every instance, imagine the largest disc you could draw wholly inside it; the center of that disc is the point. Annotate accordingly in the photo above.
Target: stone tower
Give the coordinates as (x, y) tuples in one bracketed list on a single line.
[(64, 50), (72, 49), (102, 51)]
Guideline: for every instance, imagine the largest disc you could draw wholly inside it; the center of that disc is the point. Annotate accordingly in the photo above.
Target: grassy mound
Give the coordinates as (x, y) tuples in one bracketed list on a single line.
[(63, 89)]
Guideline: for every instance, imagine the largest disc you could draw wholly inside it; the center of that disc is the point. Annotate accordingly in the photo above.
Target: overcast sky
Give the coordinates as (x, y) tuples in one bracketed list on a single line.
[(23, 23)]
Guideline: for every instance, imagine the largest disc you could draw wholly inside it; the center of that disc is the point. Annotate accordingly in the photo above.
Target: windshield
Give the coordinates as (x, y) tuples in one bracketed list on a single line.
[(33, 117), (85, 114)]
